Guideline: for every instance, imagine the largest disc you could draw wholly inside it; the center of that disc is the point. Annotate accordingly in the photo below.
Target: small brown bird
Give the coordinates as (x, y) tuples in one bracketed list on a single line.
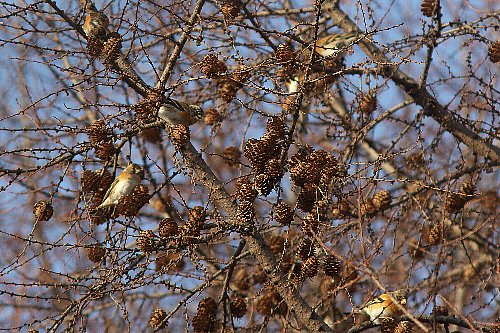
[(175, 113), (335, 44), (96, 22), (382, 306), (123, 185)]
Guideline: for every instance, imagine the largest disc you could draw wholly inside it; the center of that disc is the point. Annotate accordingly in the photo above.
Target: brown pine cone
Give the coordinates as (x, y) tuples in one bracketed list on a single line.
[(211, 66), (238, 307), (494, 52), (94, 46), (283, 213), (246, 190), (404, 327), (306, 249), (310, 267), (368, 103), (230, 9), (231, 155), (156, 318), (95, 253), (212, 116), (284, 53), (146, 241), (112, 48), (332, 266), (168, 228), (429, 7), (43, 210), (180, 135), (382, 200)]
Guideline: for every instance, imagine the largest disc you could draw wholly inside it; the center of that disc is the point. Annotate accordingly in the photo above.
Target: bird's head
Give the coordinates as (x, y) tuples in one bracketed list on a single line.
[(90, 6), (135, 169), (401, 295), (196, 112)]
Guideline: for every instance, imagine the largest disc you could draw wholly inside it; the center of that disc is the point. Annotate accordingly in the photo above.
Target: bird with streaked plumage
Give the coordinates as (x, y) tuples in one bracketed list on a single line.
[(123, 185), (96, 22), (175, 113)]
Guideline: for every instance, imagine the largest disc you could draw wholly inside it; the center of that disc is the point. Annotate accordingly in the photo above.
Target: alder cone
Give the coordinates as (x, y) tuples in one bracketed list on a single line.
[(382, 200), (112, 47), (168, 228), (146, 241), (284, 53), (283, 213), (95, 46), (332, 266), (211, 66), (306, 249), (238, 307), (180, 135), (212, 116), (310, 267)]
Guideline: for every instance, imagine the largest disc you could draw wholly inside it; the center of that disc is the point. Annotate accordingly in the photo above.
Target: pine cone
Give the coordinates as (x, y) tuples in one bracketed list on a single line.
[(246, 190), (454, 202), (156, 318), (98, 132), (310, 267), (168, 228), (112, 47), (494, 52), (368, 103), (94, 46), (332, 266), (212, 116), (172, 262), (105, 150), (276, 128), (230, 9), (403, 327), (231, 155), (211, 66), (283, 213), (129, 205), (306, 199), (43, 210), (258, 153), (382, 200), (306, 249), (310, 225), (274, 169), (468, 188), (263, 184), (146, 241), (436, 233), (245, 212), (152, 134), (440, 310), (238, 307), (270, 302), (95, 253), (284, 53), (241, 280), (429, 7), (228, 88), (180, 135), (388, 324)]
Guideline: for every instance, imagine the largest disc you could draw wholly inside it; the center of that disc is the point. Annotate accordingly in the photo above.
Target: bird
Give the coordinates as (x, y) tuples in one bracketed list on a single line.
[(382, 306), (123, 185), (177, 113), (335, 45), (96, 22)]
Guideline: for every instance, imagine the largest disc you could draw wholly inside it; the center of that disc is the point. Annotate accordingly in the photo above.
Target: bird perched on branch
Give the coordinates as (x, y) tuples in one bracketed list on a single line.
[(96, 22), (176, 113), (382, 306), (123, 185), (332, 49)]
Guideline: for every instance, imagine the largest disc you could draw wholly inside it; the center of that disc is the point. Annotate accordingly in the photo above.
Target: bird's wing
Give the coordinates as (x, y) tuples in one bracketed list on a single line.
[(110, 190)]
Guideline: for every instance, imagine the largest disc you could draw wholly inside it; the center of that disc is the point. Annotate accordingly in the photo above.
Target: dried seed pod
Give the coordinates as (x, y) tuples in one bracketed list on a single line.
[(180, 135), (382, 200), (152, 134), (43, 210), (156, 318), (332, 266), (230, 9), (112, 47), (146, 241), (310, 267), (228, 88), (276, 244), (283, 213), (238, 307), (212, 116), (258, 153), (95, 252), (368, 103), (368, 208), (306, 249), (494, 52), (197, 216), (284, 53), (263, 184), (403, 327), (241, 280), (168, 228), (429, 7), (94, 46), (231, 155), (211, 66)]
